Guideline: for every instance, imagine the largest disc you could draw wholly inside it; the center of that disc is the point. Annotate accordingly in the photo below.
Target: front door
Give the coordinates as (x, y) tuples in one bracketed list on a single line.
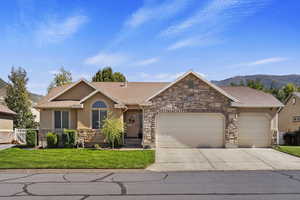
[(133, 121)]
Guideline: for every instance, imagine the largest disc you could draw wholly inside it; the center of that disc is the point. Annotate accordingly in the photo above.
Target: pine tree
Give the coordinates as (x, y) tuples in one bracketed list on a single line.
[(17, 99)]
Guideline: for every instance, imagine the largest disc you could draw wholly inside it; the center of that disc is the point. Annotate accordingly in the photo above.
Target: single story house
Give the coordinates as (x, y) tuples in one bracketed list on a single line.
[(6, 124), (289, 115), (189, 112)]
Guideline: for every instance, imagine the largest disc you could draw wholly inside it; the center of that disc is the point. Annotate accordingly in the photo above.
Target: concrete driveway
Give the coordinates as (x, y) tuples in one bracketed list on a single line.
[(169, 159)]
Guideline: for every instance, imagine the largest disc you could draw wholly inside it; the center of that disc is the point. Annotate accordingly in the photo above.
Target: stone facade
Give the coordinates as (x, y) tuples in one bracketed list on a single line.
[(190, 95), (91, 137)]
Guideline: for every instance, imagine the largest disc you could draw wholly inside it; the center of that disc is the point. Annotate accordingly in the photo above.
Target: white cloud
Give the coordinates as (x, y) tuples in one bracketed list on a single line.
[(149, 12), (147, 61), (107, 59), (215, 16), (54, 30), (161, 77), (194, 41), (266, 61)]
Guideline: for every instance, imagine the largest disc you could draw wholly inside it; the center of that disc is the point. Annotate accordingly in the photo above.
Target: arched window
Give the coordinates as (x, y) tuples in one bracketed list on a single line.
[(99, 113)]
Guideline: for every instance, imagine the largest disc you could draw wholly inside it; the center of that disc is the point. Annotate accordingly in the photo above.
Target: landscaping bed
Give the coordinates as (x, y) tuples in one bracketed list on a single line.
[(292, 150), (16, 158)]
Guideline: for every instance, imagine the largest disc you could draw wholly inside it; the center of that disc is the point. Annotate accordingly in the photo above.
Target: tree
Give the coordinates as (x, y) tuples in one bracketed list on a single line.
[(255, 84), (61, 78), (288, 89), (17, 99), (107, 75)]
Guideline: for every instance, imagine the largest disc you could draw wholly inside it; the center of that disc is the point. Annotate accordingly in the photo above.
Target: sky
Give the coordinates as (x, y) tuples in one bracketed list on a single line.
[(149, 40)]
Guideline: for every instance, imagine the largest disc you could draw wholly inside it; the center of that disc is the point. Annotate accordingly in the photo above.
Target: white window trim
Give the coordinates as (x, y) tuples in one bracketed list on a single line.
[(53, 118), (91, 112)]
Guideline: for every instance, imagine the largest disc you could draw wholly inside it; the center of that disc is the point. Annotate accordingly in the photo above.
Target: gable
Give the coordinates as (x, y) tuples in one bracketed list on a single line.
[(192, 80), (191, 89), (77, 92)]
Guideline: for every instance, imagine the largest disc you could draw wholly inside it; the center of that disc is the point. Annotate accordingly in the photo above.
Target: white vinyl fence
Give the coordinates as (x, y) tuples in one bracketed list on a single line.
[(20, 135)]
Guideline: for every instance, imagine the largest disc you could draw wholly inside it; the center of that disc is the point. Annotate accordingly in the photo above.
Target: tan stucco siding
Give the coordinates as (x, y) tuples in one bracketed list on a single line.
[(84, 115), (285, 116), (6, 122), (77, 93), (47, 117)]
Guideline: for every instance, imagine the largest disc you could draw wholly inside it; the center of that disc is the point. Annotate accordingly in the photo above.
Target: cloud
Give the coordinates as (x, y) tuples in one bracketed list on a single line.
[(147, 61), (161, 77), (107, 59), (149, 12), (215, 16), (55, 31), (266, 61), (194, 41)]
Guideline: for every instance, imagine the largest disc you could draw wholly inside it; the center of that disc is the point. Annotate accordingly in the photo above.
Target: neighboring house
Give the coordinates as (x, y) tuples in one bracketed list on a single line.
[(6, 124), (33, 98), (289, 115), (189, 112)]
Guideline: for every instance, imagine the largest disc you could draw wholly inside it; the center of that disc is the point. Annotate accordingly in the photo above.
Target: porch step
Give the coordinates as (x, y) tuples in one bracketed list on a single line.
[(133, 143)]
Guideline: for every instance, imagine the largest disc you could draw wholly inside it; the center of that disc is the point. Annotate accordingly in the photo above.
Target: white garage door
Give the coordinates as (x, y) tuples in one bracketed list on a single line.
[(190, 130), (254, 130)]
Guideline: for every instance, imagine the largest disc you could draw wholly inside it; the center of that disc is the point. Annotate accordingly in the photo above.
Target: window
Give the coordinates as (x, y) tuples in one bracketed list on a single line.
[(190, 84), (99, 113), (296, 119), (61, 119)]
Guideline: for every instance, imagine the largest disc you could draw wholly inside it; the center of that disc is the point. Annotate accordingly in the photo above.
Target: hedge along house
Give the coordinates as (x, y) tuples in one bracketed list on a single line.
[(189, 112)]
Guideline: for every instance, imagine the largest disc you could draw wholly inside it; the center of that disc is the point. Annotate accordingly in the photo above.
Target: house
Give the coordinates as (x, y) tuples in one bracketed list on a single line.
[(33, 99), (6, 124), (289, 115), (189, 112)]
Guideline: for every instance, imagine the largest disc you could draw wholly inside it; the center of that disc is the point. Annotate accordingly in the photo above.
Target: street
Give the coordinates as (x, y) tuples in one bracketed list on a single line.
[(230, 185)]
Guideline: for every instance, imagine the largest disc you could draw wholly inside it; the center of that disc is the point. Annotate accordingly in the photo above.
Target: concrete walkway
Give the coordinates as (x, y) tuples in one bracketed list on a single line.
[(6, 146), (168, 159)]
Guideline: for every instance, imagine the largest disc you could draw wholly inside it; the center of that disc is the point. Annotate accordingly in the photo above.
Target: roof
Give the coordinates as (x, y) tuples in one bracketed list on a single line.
[(249, 97), (6, 110), (293, 94), (297, 94), (136, 93)]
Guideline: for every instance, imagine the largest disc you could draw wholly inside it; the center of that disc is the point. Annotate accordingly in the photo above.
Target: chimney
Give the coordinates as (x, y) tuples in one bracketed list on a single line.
[(124, 84)]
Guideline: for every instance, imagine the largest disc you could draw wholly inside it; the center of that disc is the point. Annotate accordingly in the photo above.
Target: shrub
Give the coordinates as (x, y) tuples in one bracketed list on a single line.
[(52, 140), (69, 138), (31, 139), (113, 130), (289, 138), (97, 146)]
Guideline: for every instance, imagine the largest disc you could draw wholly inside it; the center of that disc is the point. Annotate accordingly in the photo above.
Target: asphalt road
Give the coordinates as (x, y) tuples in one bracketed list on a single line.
[(229, 185)]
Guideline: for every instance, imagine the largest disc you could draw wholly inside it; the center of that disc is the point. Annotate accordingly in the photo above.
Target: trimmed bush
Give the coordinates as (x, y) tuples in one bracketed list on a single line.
[(52, 140), (69, 138), (31, 139)]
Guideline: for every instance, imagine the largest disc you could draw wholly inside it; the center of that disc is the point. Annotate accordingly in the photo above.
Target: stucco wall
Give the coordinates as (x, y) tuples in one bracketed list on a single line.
[(285, 116), (6, 122), (46, 118), (77, 93), (84, 115)]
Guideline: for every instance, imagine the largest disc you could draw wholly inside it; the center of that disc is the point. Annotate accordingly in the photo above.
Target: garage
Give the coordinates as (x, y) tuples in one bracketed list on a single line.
[(254, 130), (190, 130)]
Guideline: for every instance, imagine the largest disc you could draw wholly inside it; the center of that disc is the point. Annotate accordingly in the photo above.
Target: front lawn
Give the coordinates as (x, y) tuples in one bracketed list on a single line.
[(16, 158), (293, 150)]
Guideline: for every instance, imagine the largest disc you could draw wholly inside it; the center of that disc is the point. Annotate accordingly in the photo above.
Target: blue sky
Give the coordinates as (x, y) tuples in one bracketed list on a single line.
[(149, 40)]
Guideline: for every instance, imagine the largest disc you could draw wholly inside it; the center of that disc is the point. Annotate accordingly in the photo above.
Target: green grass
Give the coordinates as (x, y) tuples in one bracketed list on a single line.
[(293, 150), (16, 158)]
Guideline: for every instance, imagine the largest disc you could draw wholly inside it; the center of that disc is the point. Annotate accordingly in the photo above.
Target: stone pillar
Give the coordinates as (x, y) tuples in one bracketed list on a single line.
[(231, 131), (147, 128)]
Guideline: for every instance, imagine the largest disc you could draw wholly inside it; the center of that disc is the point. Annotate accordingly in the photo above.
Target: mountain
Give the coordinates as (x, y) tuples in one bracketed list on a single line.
[(33, 97), (277, 81)]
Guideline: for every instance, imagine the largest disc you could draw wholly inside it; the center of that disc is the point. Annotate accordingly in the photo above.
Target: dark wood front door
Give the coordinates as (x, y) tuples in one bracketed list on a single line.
[(133, 120)]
